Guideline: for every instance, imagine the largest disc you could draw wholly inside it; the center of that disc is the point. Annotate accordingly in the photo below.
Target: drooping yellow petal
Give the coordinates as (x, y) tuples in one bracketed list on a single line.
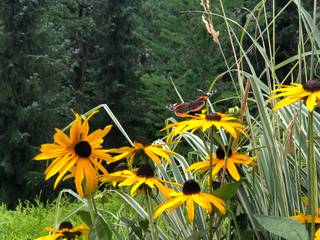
[(190, 209), (64, 170), (160, 152), (152, 156), (79, 175), (164, 190), (215, 201), (136, 186), (98, 165), (202, 202), (311, 101), (217, 167), (233, 170), (56, 166)]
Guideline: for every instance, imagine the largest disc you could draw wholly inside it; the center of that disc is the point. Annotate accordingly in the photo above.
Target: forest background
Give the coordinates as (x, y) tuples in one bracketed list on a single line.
[(58, 55)]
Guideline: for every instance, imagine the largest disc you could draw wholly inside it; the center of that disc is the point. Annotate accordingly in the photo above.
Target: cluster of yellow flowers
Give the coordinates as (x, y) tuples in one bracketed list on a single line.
[(81, 156)]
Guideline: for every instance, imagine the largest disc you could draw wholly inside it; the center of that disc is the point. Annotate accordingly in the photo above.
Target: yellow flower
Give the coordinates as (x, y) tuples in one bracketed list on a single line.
[(302, 218), (138, 177), (204, 121), (154, 152), (79, 155), (309, 91), (233, 158), (66, 232), (191, 195)]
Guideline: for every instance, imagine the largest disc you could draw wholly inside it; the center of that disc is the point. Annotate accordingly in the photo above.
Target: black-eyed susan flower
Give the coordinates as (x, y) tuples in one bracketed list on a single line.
[(66, 232), (191, 194), (153, 151), (138, 177), (308, 91), (78, 155), (205, 121), (218, 160)]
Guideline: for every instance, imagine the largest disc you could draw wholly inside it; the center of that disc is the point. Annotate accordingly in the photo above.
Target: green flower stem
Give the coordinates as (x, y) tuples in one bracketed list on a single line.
[(154, 235), (92, 207), (194, 230), (209, 150), (313, 203)]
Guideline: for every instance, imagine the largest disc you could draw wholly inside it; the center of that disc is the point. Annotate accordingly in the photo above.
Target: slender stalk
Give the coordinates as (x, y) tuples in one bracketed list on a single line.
[(92, 207), (209, 150), (312, 176), (194, 230), (154, 235)]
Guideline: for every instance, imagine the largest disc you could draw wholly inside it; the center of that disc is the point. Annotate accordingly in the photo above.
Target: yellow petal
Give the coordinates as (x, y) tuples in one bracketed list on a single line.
[(64, 170), (160, 152), (75, 129), (136, 186), (79, 175), (151, 155), (56, 166), (61, 138), (168, 204), (217, 167), (217, 202), (232, 169), (311, 101), (190, 209), (202, 202)]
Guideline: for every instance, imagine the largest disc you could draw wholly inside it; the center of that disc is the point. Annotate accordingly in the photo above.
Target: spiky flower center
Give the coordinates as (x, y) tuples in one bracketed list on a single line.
[(145, 171), (83, 149), (213, 117), (311, 86), (190, 187), (221, 154), (65, 224)]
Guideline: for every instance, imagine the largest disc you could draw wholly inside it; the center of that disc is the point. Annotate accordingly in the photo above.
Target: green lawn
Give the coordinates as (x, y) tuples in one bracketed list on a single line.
[(28, 220)]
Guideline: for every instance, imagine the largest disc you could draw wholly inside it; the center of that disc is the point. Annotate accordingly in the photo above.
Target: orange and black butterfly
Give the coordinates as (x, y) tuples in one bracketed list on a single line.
[(190, 107)]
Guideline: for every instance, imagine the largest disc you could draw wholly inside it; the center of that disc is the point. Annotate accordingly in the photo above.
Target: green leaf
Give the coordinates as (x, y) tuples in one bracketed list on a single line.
[(132, 224), (100, 230), (85, 217), (227, 191), (283, 227)]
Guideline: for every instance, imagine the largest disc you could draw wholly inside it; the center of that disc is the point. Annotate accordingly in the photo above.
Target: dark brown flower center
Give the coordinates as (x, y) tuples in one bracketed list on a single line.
[(145, 171), (311, 86), (213, 117), (65, 224), (221, 154), (83, 149), (190, 187)]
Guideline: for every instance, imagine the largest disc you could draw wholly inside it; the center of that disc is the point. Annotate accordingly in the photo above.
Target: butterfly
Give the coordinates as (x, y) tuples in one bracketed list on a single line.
[(192, 106)]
